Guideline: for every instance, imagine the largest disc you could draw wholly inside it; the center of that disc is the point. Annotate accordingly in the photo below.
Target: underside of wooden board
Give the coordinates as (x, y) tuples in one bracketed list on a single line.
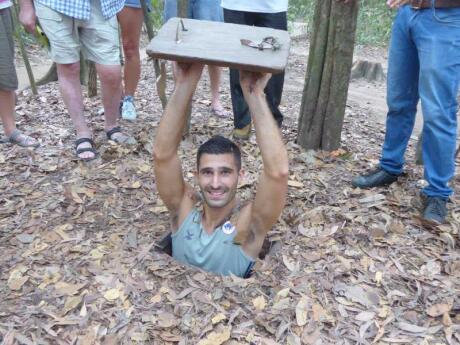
[(216, 43)]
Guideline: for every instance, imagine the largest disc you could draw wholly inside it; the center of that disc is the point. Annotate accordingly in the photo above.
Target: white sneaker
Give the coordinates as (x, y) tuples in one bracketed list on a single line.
[(128, 111)]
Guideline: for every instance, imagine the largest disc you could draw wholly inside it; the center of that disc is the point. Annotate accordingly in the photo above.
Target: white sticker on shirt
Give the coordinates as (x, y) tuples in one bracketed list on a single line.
[(228, 228)]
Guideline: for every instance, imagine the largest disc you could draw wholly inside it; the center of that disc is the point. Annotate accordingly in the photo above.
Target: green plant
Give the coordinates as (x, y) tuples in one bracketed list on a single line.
[(374, 23), (374, 19), (156, 15)]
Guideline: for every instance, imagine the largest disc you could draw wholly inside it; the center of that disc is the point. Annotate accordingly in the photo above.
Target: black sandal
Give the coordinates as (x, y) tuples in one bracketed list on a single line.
[(128, 140), (85, 149)]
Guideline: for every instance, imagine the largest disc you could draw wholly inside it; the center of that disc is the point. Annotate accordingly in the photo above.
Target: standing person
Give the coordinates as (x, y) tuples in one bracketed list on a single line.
[(203, 10), (92, 27), (265, 13), (130, 19), (424, 63), (224, 238), (9, 80)]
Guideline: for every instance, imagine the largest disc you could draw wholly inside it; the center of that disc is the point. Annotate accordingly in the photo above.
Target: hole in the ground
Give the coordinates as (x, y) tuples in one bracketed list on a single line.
[(164, 245)]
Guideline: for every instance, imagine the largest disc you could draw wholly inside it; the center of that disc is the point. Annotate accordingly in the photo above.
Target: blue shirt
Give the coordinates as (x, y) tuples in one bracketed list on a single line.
[(215, 252), (81, 9)]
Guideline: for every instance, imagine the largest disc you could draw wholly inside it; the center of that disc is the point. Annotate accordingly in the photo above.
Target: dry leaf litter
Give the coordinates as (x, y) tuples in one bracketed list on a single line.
[(346, 266)]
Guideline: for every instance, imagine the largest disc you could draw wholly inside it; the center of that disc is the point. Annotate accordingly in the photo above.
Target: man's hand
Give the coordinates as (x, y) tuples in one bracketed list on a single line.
[(188, 73), (396, 3), (254, 82), (27, 16)]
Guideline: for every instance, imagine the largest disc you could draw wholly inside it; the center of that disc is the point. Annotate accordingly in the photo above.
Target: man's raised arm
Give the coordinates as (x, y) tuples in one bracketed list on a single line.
[(168, 169), (272, 187)]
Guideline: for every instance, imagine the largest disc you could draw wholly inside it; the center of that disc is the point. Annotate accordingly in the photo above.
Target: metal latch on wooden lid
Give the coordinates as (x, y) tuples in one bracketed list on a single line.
[(268, 43)]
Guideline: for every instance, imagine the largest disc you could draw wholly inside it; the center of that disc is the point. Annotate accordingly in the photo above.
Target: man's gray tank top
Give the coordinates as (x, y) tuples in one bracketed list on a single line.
[(215, 252)]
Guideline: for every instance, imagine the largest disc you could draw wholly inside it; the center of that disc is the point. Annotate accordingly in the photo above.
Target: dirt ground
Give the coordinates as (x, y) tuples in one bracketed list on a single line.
[(347, 266)]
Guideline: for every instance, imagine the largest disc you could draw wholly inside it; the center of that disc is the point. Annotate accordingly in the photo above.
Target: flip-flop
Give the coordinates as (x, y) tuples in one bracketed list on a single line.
[(21, 139), (128, 140), (85, 149)]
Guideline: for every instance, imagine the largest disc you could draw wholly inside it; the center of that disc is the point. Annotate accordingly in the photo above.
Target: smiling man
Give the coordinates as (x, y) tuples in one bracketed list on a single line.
[(222, 236)]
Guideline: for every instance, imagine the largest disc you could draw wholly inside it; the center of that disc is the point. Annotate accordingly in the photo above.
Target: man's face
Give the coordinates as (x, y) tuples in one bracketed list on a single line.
[(218, 178)]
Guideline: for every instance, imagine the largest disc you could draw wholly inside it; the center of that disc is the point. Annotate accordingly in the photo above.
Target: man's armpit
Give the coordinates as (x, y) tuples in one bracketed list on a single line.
[(174, 221), (253, 243), (243, 236), (242, 219), (192, 194), (178, 216)]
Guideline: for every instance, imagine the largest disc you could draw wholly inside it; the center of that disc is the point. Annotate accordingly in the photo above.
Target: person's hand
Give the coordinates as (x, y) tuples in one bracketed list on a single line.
[(396, 3), (254, 82), (187, 73), (27, 18)]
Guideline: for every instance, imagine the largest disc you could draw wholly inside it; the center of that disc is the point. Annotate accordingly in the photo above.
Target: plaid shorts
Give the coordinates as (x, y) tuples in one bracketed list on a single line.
[(8, 77), (97, 37)]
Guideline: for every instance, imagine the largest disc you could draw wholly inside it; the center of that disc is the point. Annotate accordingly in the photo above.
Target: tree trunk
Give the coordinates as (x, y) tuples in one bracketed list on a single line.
[(92, 79), (182, 12), (159, 67), (182, 8), (371, 71), (147, 22), (328, 74), (88, 76), (160, 74), (83, 70), (418, 151), (49, 77), (22, 48)]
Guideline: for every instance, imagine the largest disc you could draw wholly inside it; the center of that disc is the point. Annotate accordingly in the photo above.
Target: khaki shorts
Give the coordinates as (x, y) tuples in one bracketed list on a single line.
[(8, 78), (97, 38)]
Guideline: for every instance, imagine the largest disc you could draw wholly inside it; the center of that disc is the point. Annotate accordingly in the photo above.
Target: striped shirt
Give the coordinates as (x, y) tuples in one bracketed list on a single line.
[(81, 9)]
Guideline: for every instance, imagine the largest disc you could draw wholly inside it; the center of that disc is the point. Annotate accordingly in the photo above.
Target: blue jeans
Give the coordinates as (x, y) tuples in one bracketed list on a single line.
[(197, 9), (424, 63), (137, 4)]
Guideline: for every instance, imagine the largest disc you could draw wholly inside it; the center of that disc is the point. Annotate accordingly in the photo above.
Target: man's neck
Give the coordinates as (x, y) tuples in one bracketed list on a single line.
[(213, 217)]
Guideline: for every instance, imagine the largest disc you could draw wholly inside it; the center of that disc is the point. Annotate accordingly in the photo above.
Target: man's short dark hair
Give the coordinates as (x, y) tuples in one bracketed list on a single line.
[(219, 145)]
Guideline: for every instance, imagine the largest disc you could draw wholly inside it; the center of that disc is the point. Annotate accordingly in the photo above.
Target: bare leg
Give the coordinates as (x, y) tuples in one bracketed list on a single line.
[(131, 20), (69, 84), (7, 101), (216, 105), (110, 76), (7, 111)]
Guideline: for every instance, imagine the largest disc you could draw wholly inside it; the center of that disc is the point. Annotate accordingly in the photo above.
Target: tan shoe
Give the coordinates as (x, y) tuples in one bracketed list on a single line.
[(242, 133)]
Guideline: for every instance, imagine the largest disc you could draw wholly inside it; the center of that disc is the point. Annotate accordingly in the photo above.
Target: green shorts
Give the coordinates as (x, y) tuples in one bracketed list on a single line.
[(8, 78), (97, 38)]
